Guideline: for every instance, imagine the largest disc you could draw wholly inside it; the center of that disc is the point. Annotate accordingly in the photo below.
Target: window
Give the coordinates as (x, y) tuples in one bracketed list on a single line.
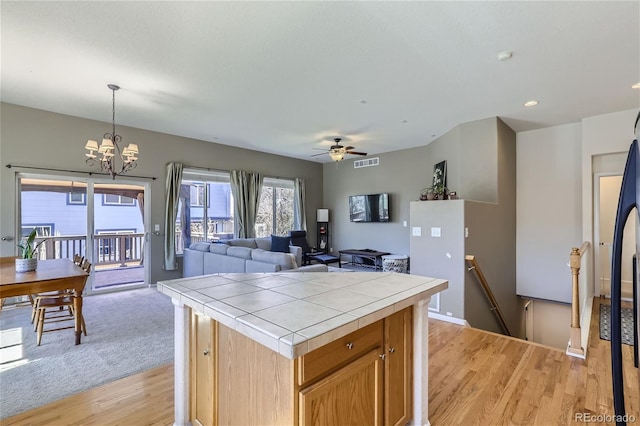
[(205, 208), (117, 200), (197, 194), (42, 230), (275, 212), (78, 198)]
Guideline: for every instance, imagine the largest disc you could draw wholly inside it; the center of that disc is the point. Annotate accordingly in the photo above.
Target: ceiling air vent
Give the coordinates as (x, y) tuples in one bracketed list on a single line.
[(367, 162)]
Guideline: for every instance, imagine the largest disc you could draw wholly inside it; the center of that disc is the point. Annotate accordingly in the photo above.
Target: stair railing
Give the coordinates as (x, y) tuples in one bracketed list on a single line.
[(575, 347), (471, 260)]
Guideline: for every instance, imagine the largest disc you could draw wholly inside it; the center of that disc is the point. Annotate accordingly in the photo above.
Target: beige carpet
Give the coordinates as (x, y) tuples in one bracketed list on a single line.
[(128, 332)]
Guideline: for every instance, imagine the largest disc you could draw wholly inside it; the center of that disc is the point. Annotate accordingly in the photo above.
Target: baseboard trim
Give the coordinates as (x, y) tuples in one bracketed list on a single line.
[(447, 318)]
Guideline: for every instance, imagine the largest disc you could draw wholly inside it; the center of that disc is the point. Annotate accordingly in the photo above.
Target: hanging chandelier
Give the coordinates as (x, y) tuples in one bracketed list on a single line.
[(110, 150)]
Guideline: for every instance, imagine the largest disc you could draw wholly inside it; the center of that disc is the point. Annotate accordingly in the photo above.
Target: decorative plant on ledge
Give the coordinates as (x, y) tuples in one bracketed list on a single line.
[(27, 262)]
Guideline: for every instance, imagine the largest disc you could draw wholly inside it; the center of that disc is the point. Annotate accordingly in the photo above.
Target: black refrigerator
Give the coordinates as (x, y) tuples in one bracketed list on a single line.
[(629, 199)]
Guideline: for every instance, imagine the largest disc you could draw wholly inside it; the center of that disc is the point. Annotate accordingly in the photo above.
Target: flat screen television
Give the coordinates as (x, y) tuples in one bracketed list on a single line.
[(369, 208)]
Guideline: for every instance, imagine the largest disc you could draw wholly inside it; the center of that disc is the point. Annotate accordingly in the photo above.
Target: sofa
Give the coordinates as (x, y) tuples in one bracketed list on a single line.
[(243, 255)]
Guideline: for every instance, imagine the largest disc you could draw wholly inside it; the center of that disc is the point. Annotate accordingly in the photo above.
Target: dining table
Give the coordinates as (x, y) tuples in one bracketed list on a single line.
[(50, 275)]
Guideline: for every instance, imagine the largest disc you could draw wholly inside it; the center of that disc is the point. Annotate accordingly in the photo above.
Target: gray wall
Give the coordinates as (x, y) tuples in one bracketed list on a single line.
[(441, 257), (491, 232), (470, 151), (44, 139)]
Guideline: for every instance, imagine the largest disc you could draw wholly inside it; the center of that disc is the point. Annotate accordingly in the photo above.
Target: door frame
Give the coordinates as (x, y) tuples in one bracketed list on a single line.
[(90, 210)]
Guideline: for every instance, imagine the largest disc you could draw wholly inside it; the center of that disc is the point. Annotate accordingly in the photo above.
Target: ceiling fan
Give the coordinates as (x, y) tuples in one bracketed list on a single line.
[(337, 151)]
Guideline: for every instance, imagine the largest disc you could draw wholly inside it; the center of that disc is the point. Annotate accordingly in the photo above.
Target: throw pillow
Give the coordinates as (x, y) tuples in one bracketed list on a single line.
[(280, 244)]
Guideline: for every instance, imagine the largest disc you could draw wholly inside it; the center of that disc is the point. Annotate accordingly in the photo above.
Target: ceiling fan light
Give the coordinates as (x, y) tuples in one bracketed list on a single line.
[(336, 155)]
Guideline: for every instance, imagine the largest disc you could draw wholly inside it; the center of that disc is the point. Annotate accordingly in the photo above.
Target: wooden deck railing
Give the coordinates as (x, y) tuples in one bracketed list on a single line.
[(109, 249), (471, 260), (575, 347)]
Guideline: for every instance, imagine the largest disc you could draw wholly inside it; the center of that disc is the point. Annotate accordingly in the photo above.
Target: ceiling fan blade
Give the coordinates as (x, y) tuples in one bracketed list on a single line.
[(356, 153), (315, 155), (320, 149), (347, 148)]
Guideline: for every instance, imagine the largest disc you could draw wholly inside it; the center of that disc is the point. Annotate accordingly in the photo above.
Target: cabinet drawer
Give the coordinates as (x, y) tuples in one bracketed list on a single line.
[(326, 359)]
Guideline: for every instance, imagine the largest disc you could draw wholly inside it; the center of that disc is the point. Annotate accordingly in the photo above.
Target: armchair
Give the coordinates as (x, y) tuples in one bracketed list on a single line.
[(299, 238)]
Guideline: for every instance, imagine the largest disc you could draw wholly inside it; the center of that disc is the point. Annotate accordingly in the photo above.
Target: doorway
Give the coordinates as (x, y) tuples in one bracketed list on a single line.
[(102, 220), (607, 187)]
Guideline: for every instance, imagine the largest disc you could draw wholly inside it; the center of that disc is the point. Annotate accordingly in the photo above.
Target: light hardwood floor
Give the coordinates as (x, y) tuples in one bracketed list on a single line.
[(475, 377), (141, 399)]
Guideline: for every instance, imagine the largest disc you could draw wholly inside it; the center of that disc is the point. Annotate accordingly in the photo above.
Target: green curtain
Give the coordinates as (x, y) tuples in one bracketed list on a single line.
[(246, 187), (174, 180), (299, 210)]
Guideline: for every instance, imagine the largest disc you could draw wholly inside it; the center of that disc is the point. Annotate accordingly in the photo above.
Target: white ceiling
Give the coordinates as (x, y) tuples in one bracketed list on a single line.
[(286, 77)]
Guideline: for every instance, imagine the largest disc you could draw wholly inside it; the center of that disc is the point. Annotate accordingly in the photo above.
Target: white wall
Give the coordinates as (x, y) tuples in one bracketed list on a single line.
[(548, 210), (555, 169)]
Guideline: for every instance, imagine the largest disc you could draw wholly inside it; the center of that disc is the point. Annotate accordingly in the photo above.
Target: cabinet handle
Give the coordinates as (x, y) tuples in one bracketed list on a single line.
[(392, 350), (206, 352), (349, 345), (382, 356)]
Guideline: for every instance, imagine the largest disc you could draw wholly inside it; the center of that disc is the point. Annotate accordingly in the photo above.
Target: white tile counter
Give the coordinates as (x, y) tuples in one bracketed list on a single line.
[(296, 312)]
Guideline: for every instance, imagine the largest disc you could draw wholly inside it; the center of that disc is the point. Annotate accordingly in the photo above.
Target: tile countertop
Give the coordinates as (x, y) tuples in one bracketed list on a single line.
[(294, 313)]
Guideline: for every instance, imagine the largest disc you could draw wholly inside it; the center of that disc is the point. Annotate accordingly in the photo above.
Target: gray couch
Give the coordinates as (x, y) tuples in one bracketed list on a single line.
[(243, 255)]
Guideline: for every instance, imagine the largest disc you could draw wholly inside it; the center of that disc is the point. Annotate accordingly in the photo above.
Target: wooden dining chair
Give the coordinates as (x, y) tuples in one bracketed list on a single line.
[(35, 298), (65, 312)]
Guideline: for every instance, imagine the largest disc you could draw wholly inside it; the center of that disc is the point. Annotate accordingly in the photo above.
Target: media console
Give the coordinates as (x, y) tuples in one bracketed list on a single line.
[(370, 254)]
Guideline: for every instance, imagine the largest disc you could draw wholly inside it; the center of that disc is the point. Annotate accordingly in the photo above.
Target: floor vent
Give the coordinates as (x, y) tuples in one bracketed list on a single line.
[(368, 162)]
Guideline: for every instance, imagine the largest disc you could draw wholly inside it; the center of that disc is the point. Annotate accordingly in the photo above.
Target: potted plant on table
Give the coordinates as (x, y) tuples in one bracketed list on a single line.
[(26, 261)]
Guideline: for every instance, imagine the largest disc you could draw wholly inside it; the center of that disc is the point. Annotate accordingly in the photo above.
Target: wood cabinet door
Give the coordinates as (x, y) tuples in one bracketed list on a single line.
[(350, 396), (202, 371), (398, 370)]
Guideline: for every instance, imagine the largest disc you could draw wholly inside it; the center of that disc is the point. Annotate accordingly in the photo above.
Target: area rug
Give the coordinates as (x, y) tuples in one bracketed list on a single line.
[(128, 332), (627, 324)]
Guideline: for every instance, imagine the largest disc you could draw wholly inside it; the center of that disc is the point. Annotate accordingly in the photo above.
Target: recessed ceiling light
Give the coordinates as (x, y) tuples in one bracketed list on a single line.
[(363, 101), (636, 86), (530, 103), (504, 56)]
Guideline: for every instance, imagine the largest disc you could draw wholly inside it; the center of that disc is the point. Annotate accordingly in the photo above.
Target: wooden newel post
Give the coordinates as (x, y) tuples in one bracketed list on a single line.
[(575, 339), (574, 262)]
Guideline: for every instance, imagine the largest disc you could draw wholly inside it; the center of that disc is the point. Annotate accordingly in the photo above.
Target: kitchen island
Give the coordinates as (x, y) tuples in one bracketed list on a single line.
[(301, 348)]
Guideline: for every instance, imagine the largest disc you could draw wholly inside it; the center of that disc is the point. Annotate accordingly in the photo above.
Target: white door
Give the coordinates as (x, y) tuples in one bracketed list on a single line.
[(608, 190)]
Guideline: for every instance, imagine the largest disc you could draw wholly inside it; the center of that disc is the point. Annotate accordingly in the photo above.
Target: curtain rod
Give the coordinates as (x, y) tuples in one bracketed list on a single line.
[(9, 166), (185, 166)]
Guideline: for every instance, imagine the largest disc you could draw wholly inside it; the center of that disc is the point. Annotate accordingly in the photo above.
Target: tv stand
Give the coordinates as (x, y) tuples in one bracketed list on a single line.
[(370, 254)]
